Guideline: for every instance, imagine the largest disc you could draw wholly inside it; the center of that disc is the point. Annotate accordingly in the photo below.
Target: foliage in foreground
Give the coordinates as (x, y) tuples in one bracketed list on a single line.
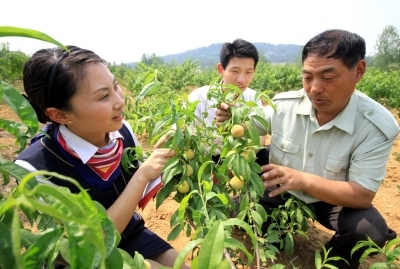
[(71, 224)]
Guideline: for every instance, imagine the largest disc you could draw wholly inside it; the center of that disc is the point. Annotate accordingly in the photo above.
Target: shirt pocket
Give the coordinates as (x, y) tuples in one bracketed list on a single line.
[(283, 150), (336, 169)]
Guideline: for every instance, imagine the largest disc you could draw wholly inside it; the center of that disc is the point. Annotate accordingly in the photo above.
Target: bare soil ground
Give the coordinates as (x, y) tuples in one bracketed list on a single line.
[(387, 201)]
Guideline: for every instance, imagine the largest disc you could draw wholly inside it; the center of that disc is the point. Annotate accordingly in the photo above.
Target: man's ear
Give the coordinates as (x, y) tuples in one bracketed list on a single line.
[(360, 69), (220, 69), (57, 115)]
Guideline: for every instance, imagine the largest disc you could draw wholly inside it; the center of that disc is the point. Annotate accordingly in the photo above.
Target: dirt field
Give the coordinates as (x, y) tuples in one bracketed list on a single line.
[(387, 201)]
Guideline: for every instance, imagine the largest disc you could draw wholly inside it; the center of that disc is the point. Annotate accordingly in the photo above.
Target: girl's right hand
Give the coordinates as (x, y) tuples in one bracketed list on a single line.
[(154, 164)]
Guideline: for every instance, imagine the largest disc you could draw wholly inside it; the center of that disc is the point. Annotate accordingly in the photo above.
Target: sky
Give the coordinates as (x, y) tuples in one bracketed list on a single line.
[(121, 31)]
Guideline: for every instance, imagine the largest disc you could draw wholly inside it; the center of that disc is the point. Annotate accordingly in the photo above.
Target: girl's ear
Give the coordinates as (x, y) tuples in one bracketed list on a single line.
[(57, 115)]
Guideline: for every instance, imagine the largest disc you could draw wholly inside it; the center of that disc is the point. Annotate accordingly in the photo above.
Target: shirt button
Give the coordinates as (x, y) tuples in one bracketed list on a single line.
[(370, 113), (282, 146), (310, 155)]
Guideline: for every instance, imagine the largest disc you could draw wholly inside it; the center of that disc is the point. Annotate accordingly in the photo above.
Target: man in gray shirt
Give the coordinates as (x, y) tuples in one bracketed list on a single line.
[(330, 144)]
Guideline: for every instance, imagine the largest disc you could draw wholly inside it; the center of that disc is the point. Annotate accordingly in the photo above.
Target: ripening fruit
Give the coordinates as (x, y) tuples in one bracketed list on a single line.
[(189, 170), (183, 187), (224, 264), (236, 183), (147, 265), (189, 154), (237, 131)]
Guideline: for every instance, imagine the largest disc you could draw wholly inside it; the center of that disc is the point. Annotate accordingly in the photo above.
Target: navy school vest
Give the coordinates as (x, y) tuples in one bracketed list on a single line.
[(44, 154)]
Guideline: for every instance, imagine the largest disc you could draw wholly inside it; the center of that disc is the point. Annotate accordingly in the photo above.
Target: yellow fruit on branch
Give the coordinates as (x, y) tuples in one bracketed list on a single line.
[(237, 131), (189, 154), (237, 183), (147, 265), (183, 187), (189, 170)]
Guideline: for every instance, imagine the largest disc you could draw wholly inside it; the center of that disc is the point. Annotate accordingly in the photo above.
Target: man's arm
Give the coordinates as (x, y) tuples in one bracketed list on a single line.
[(347, 194), (366, 172)]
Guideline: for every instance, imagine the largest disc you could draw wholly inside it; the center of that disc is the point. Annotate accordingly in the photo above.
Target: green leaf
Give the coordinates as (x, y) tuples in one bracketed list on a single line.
[(309, 209), (299, 215), (222, 197), (164, 193), (16, 129), (112, 237), (366, 253), (202, 168), (1, 91), (244, 225), (257, 183), (138, 261), (317, 260), (175, 232), (379, 265), (83, 254), (21, 107), (260, 120), (184, 252), (16, 239), (23, 32), (170, 169), (330, 266), (391, 243), (261, 211), (244, 202), (29, 213), (254, 136), (256, 217), (149, 76), (147, 90), (393, 255), (66, 198), (28, 238), (127, 258), (278, 266), (212, 248), (37, 254), (16, 171), (114, 260), (6, 255), (236, 244), (289, 243), (241, 167), (182, 207)]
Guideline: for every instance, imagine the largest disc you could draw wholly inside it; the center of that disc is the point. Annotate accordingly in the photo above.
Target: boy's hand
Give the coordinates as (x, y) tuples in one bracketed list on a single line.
[(223, 114)]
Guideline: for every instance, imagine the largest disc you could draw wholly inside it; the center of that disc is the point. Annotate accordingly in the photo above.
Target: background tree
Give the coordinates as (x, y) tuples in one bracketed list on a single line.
[(151, 59), (387, 49), (11, 63)]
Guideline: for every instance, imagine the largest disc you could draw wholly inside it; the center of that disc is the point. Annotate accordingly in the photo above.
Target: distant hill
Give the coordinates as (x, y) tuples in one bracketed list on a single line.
[(207, 56)]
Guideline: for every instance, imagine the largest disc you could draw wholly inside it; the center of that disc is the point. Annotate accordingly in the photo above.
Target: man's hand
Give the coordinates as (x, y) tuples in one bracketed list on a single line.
[(347, 194), (223, 114), (286, 178)]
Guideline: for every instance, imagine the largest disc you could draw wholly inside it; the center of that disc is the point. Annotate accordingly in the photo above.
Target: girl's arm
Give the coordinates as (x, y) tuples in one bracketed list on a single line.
[(122, 210)]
